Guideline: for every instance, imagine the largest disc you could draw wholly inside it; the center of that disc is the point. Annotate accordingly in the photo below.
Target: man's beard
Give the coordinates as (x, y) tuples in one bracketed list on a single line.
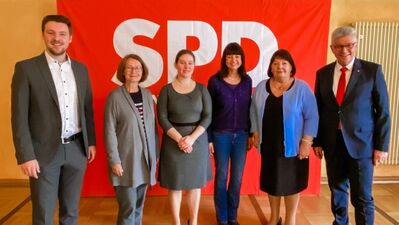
[(57, 53)]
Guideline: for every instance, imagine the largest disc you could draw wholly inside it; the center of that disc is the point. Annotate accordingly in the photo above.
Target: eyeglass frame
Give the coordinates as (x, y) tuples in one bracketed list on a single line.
[(347, 46), (133, 69)]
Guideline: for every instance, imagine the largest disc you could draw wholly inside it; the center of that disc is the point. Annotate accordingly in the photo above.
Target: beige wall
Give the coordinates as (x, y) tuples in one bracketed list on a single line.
[(345, 12), (21, 38)]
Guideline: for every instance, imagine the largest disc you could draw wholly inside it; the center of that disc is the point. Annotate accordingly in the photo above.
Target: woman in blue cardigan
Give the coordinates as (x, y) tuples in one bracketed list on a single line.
[(284, 120)]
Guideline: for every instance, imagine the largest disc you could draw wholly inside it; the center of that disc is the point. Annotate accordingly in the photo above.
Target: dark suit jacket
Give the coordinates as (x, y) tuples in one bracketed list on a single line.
[(364, 112), (35, 113)]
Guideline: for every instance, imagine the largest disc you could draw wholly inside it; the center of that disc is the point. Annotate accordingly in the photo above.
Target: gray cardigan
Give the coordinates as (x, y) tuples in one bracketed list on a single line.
[(125, 138)]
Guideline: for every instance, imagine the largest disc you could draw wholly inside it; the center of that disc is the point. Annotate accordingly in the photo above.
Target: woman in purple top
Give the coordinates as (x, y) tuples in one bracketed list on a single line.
[(230, 90)]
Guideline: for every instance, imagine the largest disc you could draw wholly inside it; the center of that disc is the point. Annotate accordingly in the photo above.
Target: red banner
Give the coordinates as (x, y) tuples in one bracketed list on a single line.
[(105, 31)]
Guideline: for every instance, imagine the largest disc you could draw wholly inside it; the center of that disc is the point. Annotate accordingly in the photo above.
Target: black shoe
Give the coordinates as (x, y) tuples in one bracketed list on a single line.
[(233, 223), (221, 223)]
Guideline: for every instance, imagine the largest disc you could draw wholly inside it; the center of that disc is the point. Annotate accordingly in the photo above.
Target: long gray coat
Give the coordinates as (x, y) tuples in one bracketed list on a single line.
[(125, 139)]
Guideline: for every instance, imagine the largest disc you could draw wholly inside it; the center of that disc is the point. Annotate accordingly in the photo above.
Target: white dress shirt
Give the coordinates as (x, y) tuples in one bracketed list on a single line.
[(65, 85), (337, 74)]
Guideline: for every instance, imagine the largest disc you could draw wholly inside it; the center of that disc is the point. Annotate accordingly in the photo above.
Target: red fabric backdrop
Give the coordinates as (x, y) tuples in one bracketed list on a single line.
[(156, 29)]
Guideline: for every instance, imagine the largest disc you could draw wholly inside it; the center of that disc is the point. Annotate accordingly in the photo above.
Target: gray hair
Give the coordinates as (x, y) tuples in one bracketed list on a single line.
[(342, 32)]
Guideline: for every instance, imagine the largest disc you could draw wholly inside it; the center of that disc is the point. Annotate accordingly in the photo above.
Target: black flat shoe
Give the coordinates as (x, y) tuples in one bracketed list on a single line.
[(280, 221)]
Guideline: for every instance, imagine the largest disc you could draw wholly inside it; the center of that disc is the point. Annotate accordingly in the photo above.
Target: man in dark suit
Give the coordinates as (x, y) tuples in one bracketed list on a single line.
[(52, 124), (354, 126)]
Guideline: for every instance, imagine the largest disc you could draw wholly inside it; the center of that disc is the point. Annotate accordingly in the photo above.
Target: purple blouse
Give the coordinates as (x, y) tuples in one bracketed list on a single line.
[(230, 105)]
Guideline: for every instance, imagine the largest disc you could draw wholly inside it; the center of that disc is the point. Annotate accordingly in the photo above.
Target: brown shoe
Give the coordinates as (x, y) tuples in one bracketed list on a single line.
[(233, 223)]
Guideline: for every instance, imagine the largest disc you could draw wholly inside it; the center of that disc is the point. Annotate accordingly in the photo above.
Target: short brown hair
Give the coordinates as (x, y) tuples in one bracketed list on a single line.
[(184, 52), (122, 66), (58, 19), (281, 54)]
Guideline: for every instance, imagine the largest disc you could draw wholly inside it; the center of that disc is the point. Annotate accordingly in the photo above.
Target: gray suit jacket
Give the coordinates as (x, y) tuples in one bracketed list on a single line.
[(126, 141), (35, 114)]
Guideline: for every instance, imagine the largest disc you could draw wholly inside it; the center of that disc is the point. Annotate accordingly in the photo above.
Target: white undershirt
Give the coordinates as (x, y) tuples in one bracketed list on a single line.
[(65, 85)]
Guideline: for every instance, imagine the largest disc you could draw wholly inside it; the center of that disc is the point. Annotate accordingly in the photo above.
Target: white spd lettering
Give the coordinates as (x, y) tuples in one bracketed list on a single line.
[(177, 33)]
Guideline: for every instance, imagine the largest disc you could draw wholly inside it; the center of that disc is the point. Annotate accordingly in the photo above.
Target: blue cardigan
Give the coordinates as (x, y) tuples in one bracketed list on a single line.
[(300, 114)]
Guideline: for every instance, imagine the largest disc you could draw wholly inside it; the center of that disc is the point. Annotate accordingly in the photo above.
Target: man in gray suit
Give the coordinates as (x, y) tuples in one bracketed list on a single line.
[(52, 123)]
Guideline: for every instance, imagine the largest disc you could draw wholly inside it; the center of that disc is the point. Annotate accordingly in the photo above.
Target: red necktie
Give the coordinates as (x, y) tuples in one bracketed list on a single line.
[(341, 85)]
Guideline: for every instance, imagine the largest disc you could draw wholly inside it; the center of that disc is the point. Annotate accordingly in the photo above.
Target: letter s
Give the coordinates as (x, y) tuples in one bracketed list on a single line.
[(123, 44)]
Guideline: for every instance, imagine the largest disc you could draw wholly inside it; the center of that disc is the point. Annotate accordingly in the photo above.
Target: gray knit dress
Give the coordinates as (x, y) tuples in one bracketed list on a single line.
[(184, 112)]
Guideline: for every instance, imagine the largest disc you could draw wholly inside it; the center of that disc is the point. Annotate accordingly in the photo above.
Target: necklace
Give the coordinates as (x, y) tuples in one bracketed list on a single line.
[(281, 86), (232, 79), (184, 86)]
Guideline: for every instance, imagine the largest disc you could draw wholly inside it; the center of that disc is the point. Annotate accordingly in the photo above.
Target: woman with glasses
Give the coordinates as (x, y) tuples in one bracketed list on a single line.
[(131, 139)]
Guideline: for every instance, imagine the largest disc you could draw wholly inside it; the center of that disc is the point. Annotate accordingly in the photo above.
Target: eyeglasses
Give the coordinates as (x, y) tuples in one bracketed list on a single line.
[(133, 69), (347, 46)]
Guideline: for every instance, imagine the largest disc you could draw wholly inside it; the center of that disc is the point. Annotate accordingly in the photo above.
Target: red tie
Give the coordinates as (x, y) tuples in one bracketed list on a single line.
[(341, 85)]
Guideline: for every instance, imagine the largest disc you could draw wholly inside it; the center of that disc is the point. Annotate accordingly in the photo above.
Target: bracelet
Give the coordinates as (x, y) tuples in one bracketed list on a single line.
[(307, 141)]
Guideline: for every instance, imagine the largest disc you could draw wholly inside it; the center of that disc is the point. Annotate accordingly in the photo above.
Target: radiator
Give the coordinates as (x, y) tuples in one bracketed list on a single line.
[(379, 42)]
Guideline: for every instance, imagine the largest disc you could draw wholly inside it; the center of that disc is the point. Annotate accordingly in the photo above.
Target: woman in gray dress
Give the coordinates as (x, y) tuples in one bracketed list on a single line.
[(184, 113), (131, 139)]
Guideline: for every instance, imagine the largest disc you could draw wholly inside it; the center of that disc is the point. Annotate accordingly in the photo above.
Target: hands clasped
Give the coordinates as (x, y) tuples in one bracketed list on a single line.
[(186, 144)]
